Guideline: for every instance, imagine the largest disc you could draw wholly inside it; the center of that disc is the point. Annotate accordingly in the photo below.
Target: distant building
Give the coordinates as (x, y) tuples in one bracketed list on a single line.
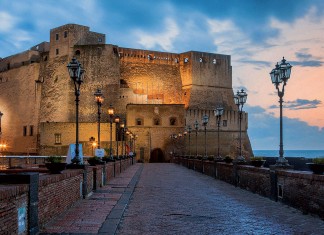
[(159, 93)]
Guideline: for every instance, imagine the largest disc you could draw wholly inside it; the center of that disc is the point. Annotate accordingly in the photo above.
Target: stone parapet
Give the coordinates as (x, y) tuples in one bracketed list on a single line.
[(300, 189)]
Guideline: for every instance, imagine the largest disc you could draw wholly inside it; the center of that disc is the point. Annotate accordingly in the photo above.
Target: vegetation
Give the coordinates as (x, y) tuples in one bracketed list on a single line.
[(319, 160), (228, 159), (54, 159), (93, 160)]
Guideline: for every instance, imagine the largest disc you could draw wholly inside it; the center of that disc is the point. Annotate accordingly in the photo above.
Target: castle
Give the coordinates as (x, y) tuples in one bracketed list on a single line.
[(157, 93)]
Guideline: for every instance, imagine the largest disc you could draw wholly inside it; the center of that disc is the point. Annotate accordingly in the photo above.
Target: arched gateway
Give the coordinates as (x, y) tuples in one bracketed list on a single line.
[(157, 155)]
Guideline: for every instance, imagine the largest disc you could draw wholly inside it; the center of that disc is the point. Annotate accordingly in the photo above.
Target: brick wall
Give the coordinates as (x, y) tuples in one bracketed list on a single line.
[(11, 198), (57, 192), (300, 189)]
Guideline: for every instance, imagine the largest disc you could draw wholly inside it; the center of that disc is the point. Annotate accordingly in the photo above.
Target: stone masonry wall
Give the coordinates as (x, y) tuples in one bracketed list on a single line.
[(20, 106)]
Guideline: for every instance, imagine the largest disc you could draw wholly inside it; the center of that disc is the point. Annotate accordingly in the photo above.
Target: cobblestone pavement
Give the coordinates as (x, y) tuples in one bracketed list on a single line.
[(101, 212), (170, 199)]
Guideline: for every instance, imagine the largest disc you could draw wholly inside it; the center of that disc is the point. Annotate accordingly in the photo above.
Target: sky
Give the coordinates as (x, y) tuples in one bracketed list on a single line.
[(256, 33)]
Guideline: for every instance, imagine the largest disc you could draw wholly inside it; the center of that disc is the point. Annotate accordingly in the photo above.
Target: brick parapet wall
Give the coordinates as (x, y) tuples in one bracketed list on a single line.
[(300, 189), (56, 193), (12, 197)]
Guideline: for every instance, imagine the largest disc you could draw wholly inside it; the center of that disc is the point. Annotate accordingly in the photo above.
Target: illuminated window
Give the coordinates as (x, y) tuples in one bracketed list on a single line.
[(57, 139)]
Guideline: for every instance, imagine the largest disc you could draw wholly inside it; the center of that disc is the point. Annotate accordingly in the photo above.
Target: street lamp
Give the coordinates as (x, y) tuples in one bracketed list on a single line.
[(93, 142), (122, 126), (280, 75), (196, 125), (117, 120), (99, 100), (189, 132), (1, 114), (76, 74), (173, 137), (218, 114), (111, 111), (205, 122), (240, 100)]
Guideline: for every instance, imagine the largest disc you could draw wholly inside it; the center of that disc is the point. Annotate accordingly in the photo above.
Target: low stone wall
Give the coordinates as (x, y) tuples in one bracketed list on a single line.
[(35, 198), (300, 189)]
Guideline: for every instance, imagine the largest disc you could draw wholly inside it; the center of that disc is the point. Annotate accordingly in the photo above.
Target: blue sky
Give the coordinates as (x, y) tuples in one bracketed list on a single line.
[(256, 33)]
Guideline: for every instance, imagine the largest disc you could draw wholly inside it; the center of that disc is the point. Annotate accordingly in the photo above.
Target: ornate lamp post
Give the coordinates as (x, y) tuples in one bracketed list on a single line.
[(1, 114), (76, 73), (218, 114), (122, 126), (173, 137), (111, 112), (93, 143), (135, 138), (189, 132), (280, 75), (117, 120), (205, 122), (196, 125), (240, 100), (99, 100)]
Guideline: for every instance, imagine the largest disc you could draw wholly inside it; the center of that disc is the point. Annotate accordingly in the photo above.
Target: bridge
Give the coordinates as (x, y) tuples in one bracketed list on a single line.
[(166, 198)]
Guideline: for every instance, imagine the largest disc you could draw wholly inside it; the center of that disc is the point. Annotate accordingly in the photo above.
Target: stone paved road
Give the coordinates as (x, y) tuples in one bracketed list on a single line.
[(170, 199)]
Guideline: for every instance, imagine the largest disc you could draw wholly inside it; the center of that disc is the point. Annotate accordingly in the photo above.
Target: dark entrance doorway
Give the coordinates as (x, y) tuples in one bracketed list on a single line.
[(157, 155)]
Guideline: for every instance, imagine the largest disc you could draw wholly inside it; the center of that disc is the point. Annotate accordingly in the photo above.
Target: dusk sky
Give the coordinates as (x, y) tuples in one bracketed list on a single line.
[(256, 33)]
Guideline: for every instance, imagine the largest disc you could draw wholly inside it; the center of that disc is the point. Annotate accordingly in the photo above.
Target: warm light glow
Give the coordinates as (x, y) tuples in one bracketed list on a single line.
[(117, 119), (111, 110), (94, 144)]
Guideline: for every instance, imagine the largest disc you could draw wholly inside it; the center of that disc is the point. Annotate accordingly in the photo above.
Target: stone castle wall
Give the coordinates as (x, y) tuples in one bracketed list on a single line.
[(199, 81), (19, 102)]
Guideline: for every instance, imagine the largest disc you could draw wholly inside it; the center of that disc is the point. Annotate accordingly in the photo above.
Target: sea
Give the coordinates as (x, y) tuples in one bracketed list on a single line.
[(289, 153)]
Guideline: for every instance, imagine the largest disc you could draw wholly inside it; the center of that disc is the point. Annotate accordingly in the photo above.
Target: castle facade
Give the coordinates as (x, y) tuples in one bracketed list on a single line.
[(157, 93)]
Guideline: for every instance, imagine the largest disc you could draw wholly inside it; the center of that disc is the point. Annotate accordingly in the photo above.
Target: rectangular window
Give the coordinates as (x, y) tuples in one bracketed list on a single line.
[(57, 36), (173, 121), (57, 51), (31, 130), (65, 34), (224, 122), (25, 131), (99, 39), (57, 138), (139, 122)]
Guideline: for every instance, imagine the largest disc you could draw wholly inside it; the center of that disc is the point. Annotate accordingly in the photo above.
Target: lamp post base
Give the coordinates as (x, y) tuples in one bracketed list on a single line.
[(240, 159), (282, 163)]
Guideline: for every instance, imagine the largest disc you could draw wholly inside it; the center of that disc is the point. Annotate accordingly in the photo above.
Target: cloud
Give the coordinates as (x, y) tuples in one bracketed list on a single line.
[(300, 104), (264, 131), (163, 40), (7, 22)]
